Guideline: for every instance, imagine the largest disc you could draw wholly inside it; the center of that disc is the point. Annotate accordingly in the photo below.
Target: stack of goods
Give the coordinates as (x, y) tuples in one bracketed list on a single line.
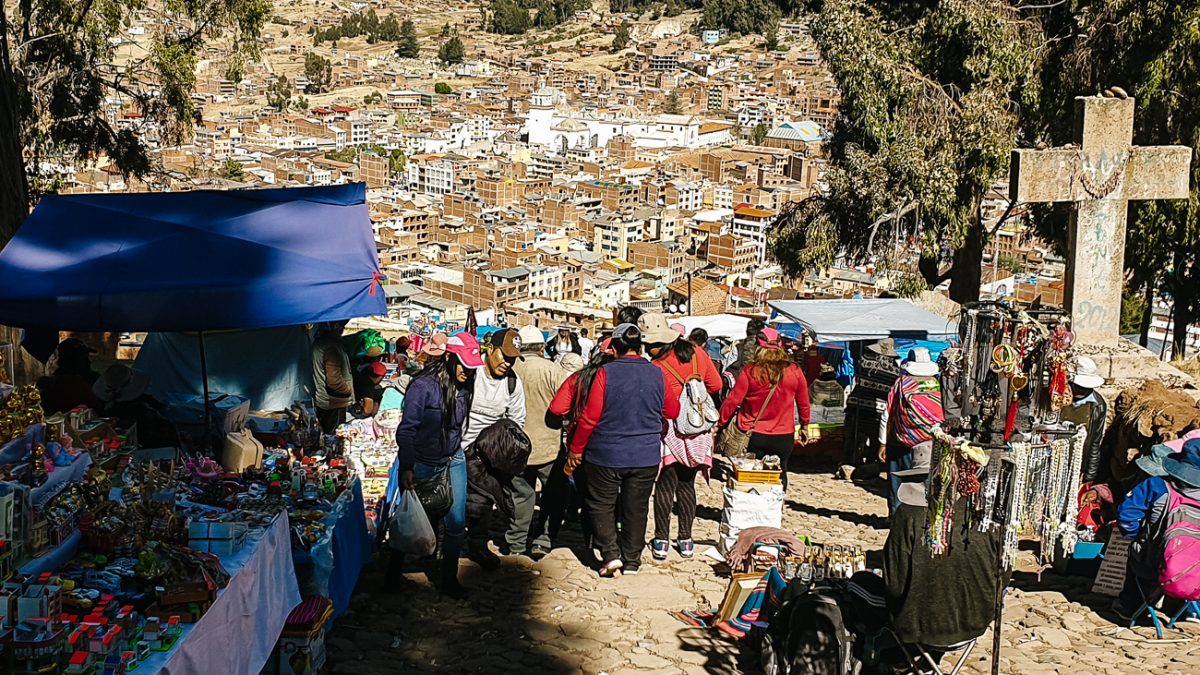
[(753, 497), (1002, 447), (371, 449), (60, 625), (20, 410), (875, 372), (1010, 375)]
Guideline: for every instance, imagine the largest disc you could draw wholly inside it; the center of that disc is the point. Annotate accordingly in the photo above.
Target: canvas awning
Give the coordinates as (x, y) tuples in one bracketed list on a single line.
[(192, 261), (863, 319)]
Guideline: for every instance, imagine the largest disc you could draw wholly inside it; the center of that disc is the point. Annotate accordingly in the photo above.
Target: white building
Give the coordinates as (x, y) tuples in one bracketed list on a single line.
[(545, 282)]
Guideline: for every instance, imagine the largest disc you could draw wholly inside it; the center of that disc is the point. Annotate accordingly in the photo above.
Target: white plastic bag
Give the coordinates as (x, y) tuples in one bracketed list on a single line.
[(744, 510), (409, 530)]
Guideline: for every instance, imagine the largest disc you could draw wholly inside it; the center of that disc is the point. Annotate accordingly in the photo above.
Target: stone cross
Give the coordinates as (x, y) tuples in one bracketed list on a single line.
[(1100, 174)]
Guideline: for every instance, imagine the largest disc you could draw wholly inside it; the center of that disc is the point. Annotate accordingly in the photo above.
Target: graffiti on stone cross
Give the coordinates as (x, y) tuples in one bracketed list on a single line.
[(1090, 315)]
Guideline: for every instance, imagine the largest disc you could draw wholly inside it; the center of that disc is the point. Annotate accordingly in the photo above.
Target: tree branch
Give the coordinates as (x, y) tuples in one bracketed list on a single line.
[(896, 215)]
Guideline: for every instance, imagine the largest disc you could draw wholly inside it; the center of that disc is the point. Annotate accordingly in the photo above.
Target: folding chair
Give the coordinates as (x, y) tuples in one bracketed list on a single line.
[(1149, 607), (923, 663)]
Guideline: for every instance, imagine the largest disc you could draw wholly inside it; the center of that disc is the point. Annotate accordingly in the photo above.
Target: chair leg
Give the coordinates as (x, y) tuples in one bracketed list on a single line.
[(1191, 606), (932, 664), (962, 659)]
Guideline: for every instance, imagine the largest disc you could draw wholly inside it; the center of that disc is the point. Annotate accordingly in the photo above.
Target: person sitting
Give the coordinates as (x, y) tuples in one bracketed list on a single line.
[(937, 601), (1143, 516), (69, 384), (914, 407), (368, 388), (1088, 409), (122, 394)]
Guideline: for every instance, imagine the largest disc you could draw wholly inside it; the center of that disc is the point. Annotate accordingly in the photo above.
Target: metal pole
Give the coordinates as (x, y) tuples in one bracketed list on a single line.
[(207, 402), (998, 621)]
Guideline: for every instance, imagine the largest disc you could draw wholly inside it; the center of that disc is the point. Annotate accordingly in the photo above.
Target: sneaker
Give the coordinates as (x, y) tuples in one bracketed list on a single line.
[(611, 568), (630, 570), (538, 552), (687, 548), (659, 548)]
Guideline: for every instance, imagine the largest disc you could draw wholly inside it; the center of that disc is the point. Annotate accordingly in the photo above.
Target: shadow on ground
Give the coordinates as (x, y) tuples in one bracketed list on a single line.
[(405, 625), (723, 655)]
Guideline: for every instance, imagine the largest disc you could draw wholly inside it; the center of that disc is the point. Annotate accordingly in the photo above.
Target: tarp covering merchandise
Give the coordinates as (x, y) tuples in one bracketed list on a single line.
[(271, 366), (186, 261), (875, 319)]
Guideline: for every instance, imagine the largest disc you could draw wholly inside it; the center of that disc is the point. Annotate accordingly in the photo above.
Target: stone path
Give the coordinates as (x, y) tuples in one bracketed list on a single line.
[(556, 616)]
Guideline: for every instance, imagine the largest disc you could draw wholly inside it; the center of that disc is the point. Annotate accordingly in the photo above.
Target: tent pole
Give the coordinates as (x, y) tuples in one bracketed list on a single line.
[(207, 402)]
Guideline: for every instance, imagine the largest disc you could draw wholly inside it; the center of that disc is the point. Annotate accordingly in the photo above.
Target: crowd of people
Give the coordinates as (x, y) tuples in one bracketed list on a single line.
[(610, 433)]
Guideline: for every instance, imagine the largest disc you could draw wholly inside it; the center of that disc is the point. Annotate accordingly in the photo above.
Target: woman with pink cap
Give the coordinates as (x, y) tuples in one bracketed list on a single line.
[(429, 438), (765, 398)]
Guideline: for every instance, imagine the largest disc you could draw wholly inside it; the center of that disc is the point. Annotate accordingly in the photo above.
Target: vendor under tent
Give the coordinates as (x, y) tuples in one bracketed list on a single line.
[(863, 319), (192, 261)]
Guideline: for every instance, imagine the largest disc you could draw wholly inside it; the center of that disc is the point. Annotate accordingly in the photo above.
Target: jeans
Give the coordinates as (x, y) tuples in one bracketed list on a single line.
[(455, 520), (530, 526), (675, 491), (629, 490), (896, 462)]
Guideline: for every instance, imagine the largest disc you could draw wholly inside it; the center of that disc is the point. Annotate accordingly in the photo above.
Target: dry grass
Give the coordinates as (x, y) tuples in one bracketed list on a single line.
[(1189, 366)]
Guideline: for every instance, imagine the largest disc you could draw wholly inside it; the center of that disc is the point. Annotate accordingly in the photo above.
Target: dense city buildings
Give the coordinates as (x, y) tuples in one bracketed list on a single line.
[(543, 182)]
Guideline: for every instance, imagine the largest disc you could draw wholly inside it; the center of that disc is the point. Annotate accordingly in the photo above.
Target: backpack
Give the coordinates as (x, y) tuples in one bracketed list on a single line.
[(808, 636), (697, 412), (1179, 573)]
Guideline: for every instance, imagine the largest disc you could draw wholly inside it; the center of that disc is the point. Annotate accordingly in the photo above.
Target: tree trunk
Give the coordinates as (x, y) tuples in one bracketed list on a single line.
[(968, 265), (14, 186), (1147, 314)]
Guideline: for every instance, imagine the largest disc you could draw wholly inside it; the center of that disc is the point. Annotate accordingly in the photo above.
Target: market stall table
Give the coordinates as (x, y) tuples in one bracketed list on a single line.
[(338, 559), (238, 633)]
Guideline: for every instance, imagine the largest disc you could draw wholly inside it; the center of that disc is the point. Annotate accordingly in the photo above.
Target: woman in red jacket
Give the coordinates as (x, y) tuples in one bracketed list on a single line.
[(683, 455), (771, 375)]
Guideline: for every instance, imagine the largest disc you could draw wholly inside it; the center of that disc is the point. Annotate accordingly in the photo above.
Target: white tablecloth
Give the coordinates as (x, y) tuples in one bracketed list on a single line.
[(238, 633)]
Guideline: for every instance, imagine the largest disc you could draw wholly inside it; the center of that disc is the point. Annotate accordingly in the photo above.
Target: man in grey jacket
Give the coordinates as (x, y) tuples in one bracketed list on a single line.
[(540, 378)]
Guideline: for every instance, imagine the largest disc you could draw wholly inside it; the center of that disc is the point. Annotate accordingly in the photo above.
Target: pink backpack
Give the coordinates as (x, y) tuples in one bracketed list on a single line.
[(1179, 574)]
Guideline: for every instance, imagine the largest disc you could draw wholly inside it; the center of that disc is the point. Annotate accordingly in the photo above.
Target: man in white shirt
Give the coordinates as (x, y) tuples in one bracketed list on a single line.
[(586, 345), (497, 395)]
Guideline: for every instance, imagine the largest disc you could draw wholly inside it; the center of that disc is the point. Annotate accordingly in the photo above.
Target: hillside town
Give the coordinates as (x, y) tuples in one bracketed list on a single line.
[(551, 182), (851, 337)]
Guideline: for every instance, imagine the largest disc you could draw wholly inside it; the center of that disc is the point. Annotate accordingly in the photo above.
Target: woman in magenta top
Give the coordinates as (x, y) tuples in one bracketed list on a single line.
[(775, 432)]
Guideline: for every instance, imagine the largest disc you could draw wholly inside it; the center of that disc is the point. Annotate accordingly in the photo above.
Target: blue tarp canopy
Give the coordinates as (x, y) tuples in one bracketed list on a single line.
[(192, 261), (863, 319)]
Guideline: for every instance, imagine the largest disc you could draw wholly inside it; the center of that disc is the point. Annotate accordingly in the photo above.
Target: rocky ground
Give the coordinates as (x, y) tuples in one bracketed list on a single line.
[(556, 616)]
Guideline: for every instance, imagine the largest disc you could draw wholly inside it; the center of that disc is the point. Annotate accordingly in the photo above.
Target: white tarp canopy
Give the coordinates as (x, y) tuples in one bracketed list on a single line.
[(730, 326), (863, 319)]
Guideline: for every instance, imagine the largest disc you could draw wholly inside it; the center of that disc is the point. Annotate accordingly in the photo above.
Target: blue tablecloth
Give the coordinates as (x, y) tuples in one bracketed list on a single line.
[(238, 633), (351, 549), (338, 559)]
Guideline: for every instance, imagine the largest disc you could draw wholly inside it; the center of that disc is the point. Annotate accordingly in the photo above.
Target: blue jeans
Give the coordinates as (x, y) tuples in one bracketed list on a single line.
[(896, 463), (455, 519)]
